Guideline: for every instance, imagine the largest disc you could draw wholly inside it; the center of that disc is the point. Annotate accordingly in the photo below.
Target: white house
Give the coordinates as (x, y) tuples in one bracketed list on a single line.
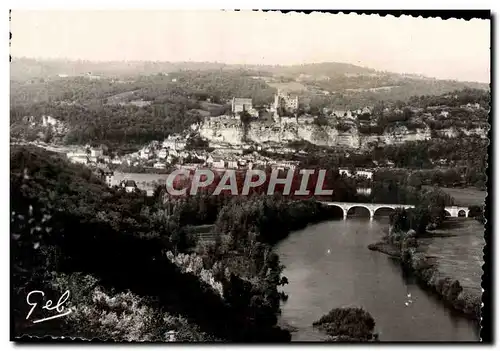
[(96, 152), (344, 171), (364, 191), (106, 159), (173, 152), (232, 164), (49, 121), (210, 160), (358, 173), (219, 163), (367, 174), (159, 165), (145, 154), (108, 177), (79, 159), (366, 110), (162, 154), (129, 185), (181, 145), (91, 76), (174, 142)]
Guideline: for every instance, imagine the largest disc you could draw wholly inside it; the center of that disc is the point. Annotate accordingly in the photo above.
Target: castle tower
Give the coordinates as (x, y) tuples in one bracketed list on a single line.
[(277, 100)]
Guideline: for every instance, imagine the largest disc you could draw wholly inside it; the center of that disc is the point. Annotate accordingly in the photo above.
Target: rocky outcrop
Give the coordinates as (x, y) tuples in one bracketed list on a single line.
[(230, 130)]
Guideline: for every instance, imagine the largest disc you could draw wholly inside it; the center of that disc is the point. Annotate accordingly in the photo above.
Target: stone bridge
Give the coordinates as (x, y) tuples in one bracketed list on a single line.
[(451, 211)]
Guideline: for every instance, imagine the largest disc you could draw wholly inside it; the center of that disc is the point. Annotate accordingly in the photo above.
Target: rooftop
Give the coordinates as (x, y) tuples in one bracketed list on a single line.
[(242, 100), (129, 183)]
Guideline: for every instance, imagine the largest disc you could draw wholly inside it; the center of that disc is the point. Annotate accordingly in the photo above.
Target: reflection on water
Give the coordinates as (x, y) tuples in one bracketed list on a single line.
[(328, 265)]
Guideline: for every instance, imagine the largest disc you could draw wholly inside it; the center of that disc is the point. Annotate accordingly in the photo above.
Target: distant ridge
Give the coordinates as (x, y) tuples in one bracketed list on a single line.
[(23, 68)]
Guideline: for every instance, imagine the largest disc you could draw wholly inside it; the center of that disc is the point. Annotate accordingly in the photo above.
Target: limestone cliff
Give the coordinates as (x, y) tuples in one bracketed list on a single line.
[(230, 130)]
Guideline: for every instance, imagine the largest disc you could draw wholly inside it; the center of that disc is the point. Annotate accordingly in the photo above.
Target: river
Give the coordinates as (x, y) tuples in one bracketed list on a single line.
[(328, 265)]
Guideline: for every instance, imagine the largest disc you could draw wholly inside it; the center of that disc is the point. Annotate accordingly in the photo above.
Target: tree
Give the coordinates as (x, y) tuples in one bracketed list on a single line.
[(48, 135)]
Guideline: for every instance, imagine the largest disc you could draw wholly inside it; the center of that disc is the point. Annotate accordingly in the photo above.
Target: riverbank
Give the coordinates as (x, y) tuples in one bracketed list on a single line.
[(447, 261), (328, 266)]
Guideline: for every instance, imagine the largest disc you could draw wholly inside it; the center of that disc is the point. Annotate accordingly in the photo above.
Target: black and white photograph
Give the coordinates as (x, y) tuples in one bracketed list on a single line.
[(221, 176)]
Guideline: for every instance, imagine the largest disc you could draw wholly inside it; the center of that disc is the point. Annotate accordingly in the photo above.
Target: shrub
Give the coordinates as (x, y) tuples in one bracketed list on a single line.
[(348, 324)]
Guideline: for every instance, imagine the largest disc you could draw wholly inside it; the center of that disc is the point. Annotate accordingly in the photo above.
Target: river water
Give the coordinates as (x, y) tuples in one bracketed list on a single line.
[(328, 265)]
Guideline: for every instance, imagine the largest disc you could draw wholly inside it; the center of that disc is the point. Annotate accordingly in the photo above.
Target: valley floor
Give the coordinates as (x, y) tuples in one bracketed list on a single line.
[(458, 252), (466, 196)]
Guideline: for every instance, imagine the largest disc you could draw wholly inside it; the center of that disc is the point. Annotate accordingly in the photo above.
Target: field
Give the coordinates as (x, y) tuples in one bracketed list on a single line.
[(458, 252), (466, 196), (209, 108), (289, 87), (144, 181), (202, 113), (121, 98), (209, 105)]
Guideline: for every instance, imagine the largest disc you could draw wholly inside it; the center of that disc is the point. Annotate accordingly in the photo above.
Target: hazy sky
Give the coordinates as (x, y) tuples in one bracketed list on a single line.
[(454, 49)]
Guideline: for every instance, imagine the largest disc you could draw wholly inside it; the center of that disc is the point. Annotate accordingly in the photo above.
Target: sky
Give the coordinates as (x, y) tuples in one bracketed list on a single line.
[(445, 49)]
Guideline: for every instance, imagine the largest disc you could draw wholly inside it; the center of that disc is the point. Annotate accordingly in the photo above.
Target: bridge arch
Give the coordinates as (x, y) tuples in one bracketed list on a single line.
[(390, 208), (339, 209), (366, 209), (447, 214)]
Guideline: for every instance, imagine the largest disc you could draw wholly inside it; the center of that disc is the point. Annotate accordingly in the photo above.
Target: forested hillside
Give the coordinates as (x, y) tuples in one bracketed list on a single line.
[(129, 257)]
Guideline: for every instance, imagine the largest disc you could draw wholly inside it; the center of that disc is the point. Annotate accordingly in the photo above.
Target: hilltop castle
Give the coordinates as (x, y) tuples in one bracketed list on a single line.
[(284, 101), (243, 104)]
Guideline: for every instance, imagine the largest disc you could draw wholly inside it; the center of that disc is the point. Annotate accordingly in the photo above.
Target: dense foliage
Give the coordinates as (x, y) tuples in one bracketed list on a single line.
[(135, 108), (448, 162), (429, 211), (64, 220), (269, 218), (348, 324), (132, 111), (66, 223)]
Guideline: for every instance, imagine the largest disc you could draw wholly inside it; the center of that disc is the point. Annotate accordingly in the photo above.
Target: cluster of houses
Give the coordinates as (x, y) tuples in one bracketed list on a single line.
[(348, 113), (290, 103), (46, 122), (88, 75), (129, 185), (171, 151), (166, 153), (247, 162), (89, 156), (357, 173)]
